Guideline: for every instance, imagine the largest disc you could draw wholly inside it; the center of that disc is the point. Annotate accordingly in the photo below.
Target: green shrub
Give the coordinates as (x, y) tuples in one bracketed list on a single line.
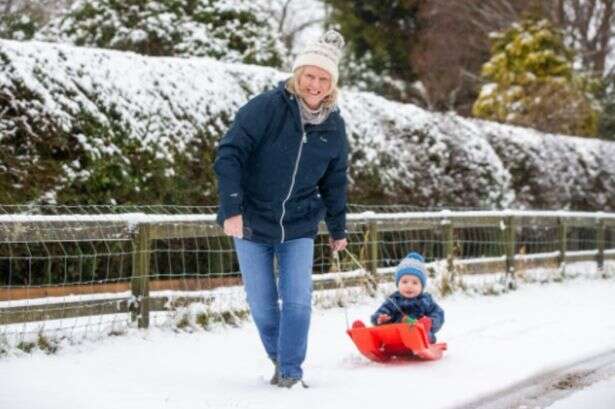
[(531, 83)]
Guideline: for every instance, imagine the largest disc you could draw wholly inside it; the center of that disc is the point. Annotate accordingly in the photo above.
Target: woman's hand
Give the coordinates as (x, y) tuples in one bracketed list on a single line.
[(382, 318), (233, 226), (338, 245)]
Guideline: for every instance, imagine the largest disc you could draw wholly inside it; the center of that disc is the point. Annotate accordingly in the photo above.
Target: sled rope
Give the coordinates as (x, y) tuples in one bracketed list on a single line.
[(361, 267), (342, 286), (358, 263), (369, 281), (396, 306)]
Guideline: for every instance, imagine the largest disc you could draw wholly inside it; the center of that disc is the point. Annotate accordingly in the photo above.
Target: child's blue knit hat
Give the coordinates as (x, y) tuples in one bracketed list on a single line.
[(413, 264)]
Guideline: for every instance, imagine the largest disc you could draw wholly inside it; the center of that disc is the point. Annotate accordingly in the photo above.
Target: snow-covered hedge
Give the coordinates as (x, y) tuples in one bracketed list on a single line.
[(552, 171), (228, 30), (87, 125)]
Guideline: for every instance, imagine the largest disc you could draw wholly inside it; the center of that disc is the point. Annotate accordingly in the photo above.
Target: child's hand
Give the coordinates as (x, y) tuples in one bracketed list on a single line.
[(382, 318)]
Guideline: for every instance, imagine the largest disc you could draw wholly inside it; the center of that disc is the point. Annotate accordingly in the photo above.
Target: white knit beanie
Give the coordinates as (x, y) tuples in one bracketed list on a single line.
[(324, 53)]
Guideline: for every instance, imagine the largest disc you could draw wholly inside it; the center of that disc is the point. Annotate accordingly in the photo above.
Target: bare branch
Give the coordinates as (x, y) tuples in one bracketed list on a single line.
[(283, 15)]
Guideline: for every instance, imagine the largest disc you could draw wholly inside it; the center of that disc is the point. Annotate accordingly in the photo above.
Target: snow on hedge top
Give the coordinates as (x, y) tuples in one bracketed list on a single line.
[(399, 152), (147, 93), (228, 30)]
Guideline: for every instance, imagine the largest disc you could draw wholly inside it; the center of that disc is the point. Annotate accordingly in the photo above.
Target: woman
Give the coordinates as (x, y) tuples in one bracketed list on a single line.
[(281, 167)]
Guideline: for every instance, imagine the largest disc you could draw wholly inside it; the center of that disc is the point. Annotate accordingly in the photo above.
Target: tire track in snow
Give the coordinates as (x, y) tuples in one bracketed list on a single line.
[(544, 389)]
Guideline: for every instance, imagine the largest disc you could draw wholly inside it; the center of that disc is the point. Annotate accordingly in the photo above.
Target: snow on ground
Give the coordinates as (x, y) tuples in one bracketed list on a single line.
[(494, 342), (601, 395)]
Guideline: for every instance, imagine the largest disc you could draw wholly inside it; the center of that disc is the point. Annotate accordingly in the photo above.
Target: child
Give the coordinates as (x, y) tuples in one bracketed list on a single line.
[(409, 299)]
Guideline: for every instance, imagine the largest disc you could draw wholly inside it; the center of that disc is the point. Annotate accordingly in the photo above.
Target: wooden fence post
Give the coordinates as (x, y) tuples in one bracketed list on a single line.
[(562, 234), (449, 248), (373, 252), (600, 243), (510, 237), (140, 275)]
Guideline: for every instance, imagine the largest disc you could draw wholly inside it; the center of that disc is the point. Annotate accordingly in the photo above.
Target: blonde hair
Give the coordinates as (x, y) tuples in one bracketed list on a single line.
[(292, 86)]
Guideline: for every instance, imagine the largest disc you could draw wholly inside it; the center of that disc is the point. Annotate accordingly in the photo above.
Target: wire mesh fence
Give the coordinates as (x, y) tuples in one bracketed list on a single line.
[(81, 271)]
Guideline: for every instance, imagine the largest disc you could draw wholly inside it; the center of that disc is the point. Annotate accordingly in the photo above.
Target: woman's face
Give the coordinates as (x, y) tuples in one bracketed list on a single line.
[(314, 85)]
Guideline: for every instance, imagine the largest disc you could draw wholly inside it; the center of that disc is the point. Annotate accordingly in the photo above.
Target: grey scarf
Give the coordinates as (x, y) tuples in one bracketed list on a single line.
[(311, 116)]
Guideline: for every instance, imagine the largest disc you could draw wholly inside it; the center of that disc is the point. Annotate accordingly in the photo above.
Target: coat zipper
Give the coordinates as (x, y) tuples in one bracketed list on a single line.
[(292, 182)]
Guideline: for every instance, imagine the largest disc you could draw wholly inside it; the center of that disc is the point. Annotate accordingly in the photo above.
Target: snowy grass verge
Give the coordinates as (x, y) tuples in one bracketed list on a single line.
[(227, 307)]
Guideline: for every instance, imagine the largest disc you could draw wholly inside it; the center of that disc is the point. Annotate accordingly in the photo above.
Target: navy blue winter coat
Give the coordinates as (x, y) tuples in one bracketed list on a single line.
[(283, 178), (416, 307)]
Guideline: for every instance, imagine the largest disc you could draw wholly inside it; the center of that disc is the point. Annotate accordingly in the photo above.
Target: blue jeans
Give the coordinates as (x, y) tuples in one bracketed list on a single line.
[(283, 327)]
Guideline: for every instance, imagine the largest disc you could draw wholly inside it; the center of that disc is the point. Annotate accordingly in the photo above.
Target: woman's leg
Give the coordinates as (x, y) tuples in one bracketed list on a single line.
[(256, 264), (296, 258)]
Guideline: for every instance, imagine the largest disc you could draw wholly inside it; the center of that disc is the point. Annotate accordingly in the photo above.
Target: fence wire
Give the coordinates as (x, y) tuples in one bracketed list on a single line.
[(71, 272)]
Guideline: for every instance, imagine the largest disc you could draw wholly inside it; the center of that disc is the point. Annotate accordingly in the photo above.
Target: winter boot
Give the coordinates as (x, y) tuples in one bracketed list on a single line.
[(276, 374), (284, 382)]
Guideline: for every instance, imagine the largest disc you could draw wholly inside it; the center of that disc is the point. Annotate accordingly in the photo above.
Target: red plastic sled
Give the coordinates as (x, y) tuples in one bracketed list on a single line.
[(383, 342)]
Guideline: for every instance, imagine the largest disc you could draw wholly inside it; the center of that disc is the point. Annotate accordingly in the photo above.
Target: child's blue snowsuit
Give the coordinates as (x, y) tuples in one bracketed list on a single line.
[(417, 307)]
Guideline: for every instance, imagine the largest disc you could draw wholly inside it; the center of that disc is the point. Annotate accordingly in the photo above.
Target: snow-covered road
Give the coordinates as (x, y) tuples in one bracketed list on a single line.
[(494, 342)]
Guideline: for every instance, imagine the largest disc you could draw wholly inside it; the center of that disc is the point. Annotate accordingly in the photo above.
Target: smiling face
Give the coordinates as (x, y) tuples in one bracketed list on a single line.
[(410, 286), (314, 85)]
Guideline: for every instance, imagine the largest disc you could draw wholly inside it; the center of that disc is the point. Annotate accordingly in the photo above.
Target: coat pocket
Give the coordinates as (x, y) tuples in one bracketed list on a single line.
[(305, 209), (259, 217)]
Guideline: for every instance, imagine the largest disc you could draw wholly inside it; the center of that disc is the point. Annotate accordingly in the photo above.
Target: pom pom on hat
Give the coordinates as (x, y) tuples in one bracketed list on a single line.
[(412, 264), (324, 53)]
